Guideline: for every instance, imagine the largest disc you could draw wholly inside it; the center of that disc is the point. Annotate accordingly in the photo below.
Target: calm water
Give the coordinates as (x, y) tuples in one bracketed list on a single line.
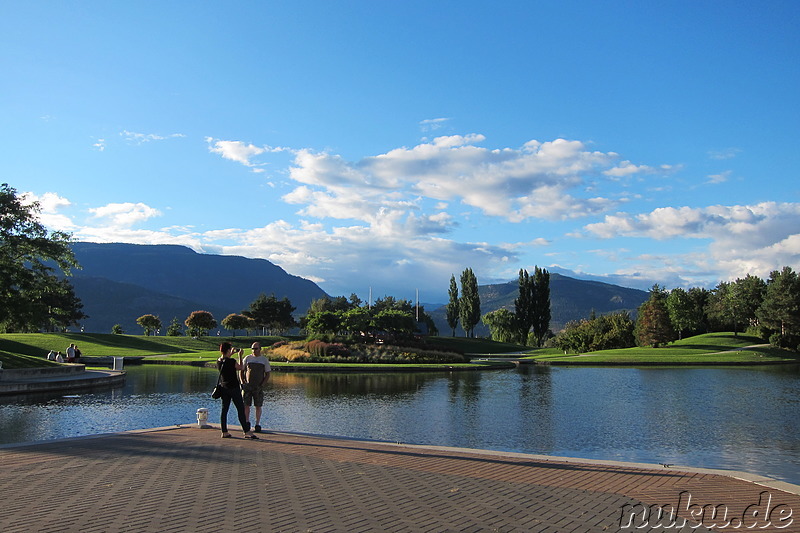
[(732, 418)]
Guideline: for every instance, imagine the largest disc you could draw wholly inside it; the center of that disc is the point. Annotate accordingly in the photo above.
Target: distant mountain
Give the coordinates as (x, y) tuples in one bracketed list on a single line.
[(120, 282), (570, 299)]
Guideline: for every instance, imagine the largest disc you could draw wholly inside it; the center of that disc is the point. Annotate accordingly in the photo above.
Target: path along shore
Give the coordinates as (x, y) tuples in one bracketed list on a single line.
[(187, 479)]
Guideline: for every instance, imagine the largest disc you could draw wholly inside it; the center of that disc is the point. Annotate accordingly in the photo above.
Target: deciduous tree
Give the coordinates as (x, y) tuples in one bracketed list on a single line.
[(150, 324), (30, 256), (451, 309), (502, 324), (541, 304), (780, 310), (200, 322), (469, 305), (235, 322)]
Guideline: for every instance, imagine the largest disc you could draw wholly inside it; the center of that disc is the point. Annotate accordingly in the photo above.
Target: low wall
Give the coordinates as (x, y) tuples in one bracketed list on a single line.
[(67, 369)]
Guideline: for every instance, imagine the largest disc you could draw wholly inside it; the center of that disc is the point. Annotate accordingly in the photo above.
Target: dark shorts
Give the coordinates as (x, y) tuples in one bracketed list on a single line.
[(252, 395)]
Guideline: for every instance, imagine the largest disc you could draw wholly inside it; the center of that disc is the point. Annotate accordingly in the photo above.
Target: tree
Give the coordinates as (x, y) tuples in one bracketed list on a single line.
[(780, 309), (394, 321), (174, 329), (357, 320), (503, 325), (653, 327), (29, 257), (116, 329), (541, 304), (524, 305), (469, 305), (324, 322), (734, 303), (200, 322), (681, 311), (452, 306), (270, 313), (150, 323), (57, 308), (234, 322), (604, 332)]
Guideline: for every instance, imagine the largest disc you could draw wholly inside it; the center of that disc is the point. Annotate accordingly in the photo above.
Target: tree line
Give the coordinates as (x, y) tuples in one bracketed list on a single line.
[(266, 313), (386, 316), (768, 309)]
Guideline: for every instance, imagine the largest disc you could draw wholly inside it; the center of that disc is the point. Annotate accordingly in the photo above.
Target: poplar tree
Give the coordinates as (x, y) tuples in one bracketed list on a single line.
[(524, 306), (469, 305), (541, 304), (452, 306)]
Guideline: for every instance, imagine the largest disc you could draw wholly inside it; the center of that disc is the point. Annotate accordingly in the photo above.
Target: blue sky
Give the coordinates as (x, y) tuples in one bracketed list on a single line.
[(388, 145)]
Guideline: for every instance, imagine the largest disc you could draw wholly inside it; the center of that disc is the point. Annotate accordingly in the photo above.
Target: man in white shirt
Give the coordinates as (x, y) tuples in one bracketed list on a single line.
[(255, 374)]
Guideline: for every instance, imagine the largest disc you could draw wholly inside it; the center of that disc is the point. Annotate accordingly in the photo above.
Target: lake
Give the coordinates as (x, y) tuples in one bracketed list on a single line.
[(739, 418)]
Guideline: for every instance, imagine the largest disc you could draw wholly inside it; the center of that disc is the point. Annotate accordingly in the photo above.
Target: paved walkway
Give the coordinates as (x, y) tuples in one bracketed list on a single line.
[(185, 479)]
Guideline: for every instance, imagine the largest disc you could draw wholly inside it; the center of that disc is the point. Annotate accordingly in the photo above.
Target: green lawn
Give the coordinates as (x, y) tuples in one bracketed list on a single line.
[(20, 350), (712, 348)]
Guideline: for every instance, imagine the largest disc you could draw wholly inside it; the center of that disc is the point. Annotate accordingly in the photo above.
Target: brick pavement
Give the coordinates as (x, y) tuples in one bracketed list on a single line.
[(188, 479)]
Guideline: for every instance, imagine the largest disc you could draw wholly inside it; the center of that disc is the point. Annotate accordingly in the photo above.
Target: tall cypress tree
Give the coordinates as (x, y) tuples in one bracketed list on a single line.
[(523, 306), (469, 305), (540, 289), (452, 306)]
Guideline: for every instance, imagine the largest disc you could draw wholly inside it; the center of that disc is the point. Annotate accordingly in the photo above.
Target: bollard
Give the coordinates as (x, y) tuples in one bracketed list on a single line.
[(202, 418)]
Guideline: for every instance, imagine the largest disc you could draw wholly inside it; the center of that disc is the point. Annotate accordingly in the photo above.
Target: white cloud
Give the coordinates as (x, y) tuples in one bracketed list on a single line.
[(744, 239), (432, 124), (626, 168), (139, 138), (240, 152), (124, 214), (515, 184), (727, 153), (50, 204), (100, 145), (722, 177)]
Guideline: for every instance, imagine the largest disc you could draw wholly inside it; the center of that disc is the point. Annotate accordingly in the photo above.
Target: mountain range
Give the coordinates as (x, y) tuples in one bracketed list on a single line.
[(118, 283)]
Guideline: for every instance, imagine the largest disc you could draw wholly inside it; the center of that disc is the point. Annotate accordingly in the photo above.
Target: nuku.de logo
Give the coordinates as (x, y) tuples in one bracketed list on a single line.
[(755, 516)]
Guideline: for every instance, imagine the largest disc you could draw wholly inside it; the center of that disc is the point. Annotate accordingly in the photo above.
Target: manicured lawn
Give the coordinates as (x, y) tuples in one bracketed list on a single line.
[(474, 346), (15, 361), (712, 348)]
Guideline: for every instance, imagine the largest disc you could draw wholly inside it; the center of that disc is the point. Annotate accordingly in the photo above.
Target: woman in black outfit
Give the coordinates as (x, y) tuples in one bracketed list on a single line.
[(231, 390)]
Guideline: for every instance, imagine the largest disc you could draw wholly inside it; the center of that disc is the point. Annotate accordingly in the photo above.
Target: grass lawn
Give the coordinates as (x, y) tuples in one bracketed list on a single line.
[(711, 348), (25, 350)]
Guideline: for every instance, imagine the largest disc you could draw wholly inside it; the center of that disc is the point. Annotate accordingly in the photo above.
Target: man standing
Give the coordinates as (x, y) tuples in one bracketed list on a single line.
[(71, 353), (255, 374)]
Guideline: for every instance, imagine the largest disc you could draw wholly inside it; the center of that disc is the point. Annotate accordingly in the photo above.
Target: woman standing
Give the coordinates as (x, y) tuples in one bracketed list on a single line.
[(229, 381)]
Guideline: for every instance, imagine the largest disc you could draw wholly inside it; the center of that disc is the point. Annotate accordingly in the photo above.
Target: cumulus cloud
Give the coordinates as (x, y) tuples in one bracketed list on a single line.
[(744, 239), (124, 214), (544, 180), (50, 205), (100, 145), (239, 151)]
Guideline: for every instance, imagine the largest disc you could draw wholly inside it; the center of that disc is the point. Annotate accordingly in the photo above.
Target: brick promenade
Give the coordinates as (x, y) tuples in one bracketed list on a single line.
[(190, 480)]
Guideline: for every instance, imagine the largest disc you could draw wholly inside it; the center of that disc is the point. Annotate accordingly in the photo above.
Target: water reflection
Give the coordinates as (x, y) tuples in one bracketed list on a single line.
[(733, 418)]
